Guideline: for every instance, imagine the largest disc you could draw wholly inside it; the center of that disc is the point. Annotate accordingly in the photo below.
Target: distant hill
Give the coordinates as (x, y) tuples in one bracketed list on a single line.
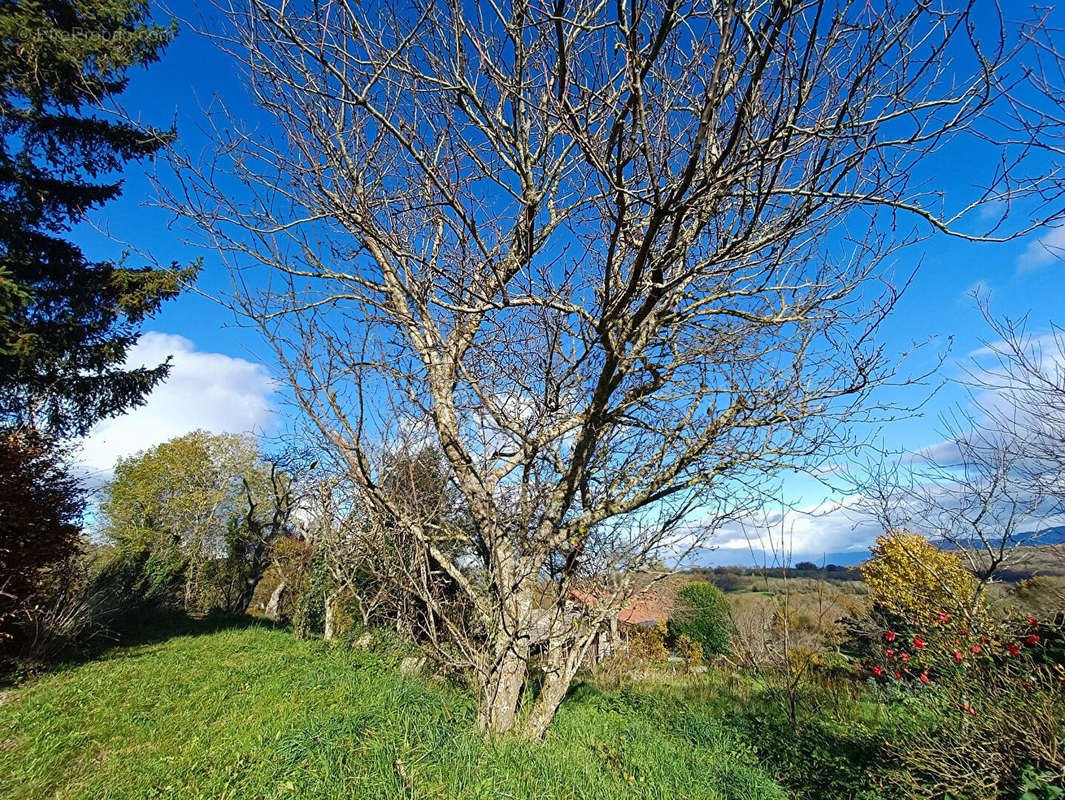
[(742, 558), (1047, 536), (710, 557)]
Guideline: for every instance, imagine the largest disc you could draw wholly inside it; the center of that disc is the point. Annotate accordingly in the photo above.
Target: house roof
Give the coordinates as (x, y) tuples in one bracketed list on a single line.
[(643, 608), (648, 608)]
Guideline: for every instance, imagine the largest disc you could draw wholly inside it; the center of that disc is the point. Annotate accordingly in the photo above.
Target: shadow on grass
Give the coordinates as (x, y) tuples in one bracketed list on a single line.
[(819, 756), (168, 626), (155, 628)]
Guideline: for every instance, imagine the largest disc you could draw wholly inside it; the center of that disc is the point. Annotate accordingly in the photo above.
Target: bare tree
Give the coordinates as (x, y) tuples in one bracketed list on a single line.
[(613, 261), (1037, 115), (330, 522), (271, 503), (1021, 396), (968, 494), (373, 565), (996, 481)]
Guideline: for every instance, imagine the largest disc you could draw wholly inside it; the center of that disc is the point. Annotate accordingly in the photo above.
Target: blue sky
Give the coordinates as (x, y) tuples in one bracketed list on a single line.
[(220, 382)]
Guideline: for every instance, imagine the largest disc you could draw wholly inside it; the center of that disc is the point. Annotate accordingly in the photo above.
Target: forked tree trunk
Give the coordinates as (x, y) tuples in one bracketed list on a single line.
[(501, 691), (503, 678), (550, 698), (563, 660)]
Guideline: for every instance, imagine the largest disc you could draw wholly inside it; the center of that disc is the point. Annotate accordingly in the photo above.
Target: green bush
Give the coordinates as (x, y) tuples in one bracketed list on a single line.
[(703, 615)]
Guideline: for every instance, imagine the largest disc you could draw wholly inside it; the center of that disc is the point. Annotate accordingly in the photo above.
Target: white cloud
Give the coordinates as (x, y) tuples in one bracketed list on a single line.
[(1048, 248), (834, 527), (1006, 389), (993, 209), (208, 391), (947, 451)]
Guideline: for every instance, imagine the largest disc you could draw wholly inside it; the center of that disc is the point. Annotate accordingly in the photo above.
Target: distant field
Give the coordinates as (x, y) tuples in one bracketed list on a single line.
[(1044, 559), (237, 710)]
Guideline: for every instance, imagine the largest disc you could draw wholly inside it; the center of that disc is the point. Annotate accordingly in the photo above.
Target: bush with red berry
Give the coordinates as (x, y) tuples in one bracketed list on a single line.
[(943, 646), (999, 687)]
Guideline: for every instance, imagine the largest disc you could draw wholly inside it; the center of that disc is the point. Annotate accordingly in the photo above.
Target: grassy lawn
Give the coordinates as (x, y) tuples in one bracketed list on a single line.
[(228, 709)]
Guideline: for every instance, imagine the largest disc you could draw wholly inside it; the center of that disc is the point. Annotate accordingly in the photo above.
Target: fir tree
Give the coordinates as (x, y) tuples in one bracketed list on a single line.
[(66, 323)]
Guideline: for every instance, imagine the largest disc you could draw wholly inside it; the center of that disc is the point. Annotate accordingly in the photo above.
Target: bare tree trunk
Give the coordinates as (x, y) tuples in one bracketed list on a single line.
[(504, 678), (330, 618), (564, 658), (501, 690), (547, 703), (554, 690), (273, 608)]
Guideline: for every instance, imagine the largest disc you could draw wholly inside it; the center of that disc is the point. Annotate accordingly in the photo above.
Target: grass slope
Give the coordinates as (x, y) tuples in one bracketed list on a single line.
[(236, 710)]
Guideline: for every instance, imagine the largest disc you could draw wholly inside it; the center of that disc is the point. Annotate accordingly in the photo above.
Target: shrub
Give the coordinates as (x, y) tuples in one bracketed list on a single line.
[(68, 611), (999, 696), (999, 737), (647, 646), (644, 652), (944, 647), (825, 756), (703, 615), (913, 577), (292, 561), (728, 581), (40, 505), (1040, 595), (691, 651), (318, 586)]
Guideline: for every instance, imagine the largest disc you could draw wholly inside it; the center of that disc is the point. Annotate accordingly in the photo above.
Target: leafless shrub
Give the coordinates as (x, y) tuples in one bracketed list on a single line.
[(68, 611), (998, 725)]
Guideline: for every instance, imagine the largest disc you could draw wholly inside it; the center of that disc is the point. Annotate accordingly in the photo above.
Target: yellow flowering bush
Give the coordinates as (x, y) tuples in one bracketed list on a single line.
[(647, 645), (914, 578), (691, 651)]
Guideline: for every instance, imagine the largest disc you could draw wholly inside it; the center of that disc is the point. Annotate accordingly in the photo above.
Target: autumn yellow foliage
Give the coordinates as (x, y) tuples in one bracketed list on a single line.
[(647, 645), (915, 578)]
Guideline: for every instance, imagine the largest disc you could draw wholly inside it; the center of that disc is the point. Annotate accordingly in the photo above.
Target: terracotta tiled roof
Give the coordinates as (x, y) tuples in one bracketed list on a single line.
[(645, 608), (648, 608)]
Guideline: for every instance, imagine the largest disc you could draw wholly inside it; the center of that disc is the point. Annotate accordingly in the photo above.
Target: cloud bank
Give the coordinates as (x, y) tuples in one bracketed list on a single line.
[(204, 391), (803, 533)]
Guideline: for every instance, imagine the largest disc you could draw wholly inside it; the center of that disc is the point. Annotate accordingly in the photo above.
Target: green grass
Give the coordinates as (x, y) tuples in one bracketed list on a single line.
[(235, 710)]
